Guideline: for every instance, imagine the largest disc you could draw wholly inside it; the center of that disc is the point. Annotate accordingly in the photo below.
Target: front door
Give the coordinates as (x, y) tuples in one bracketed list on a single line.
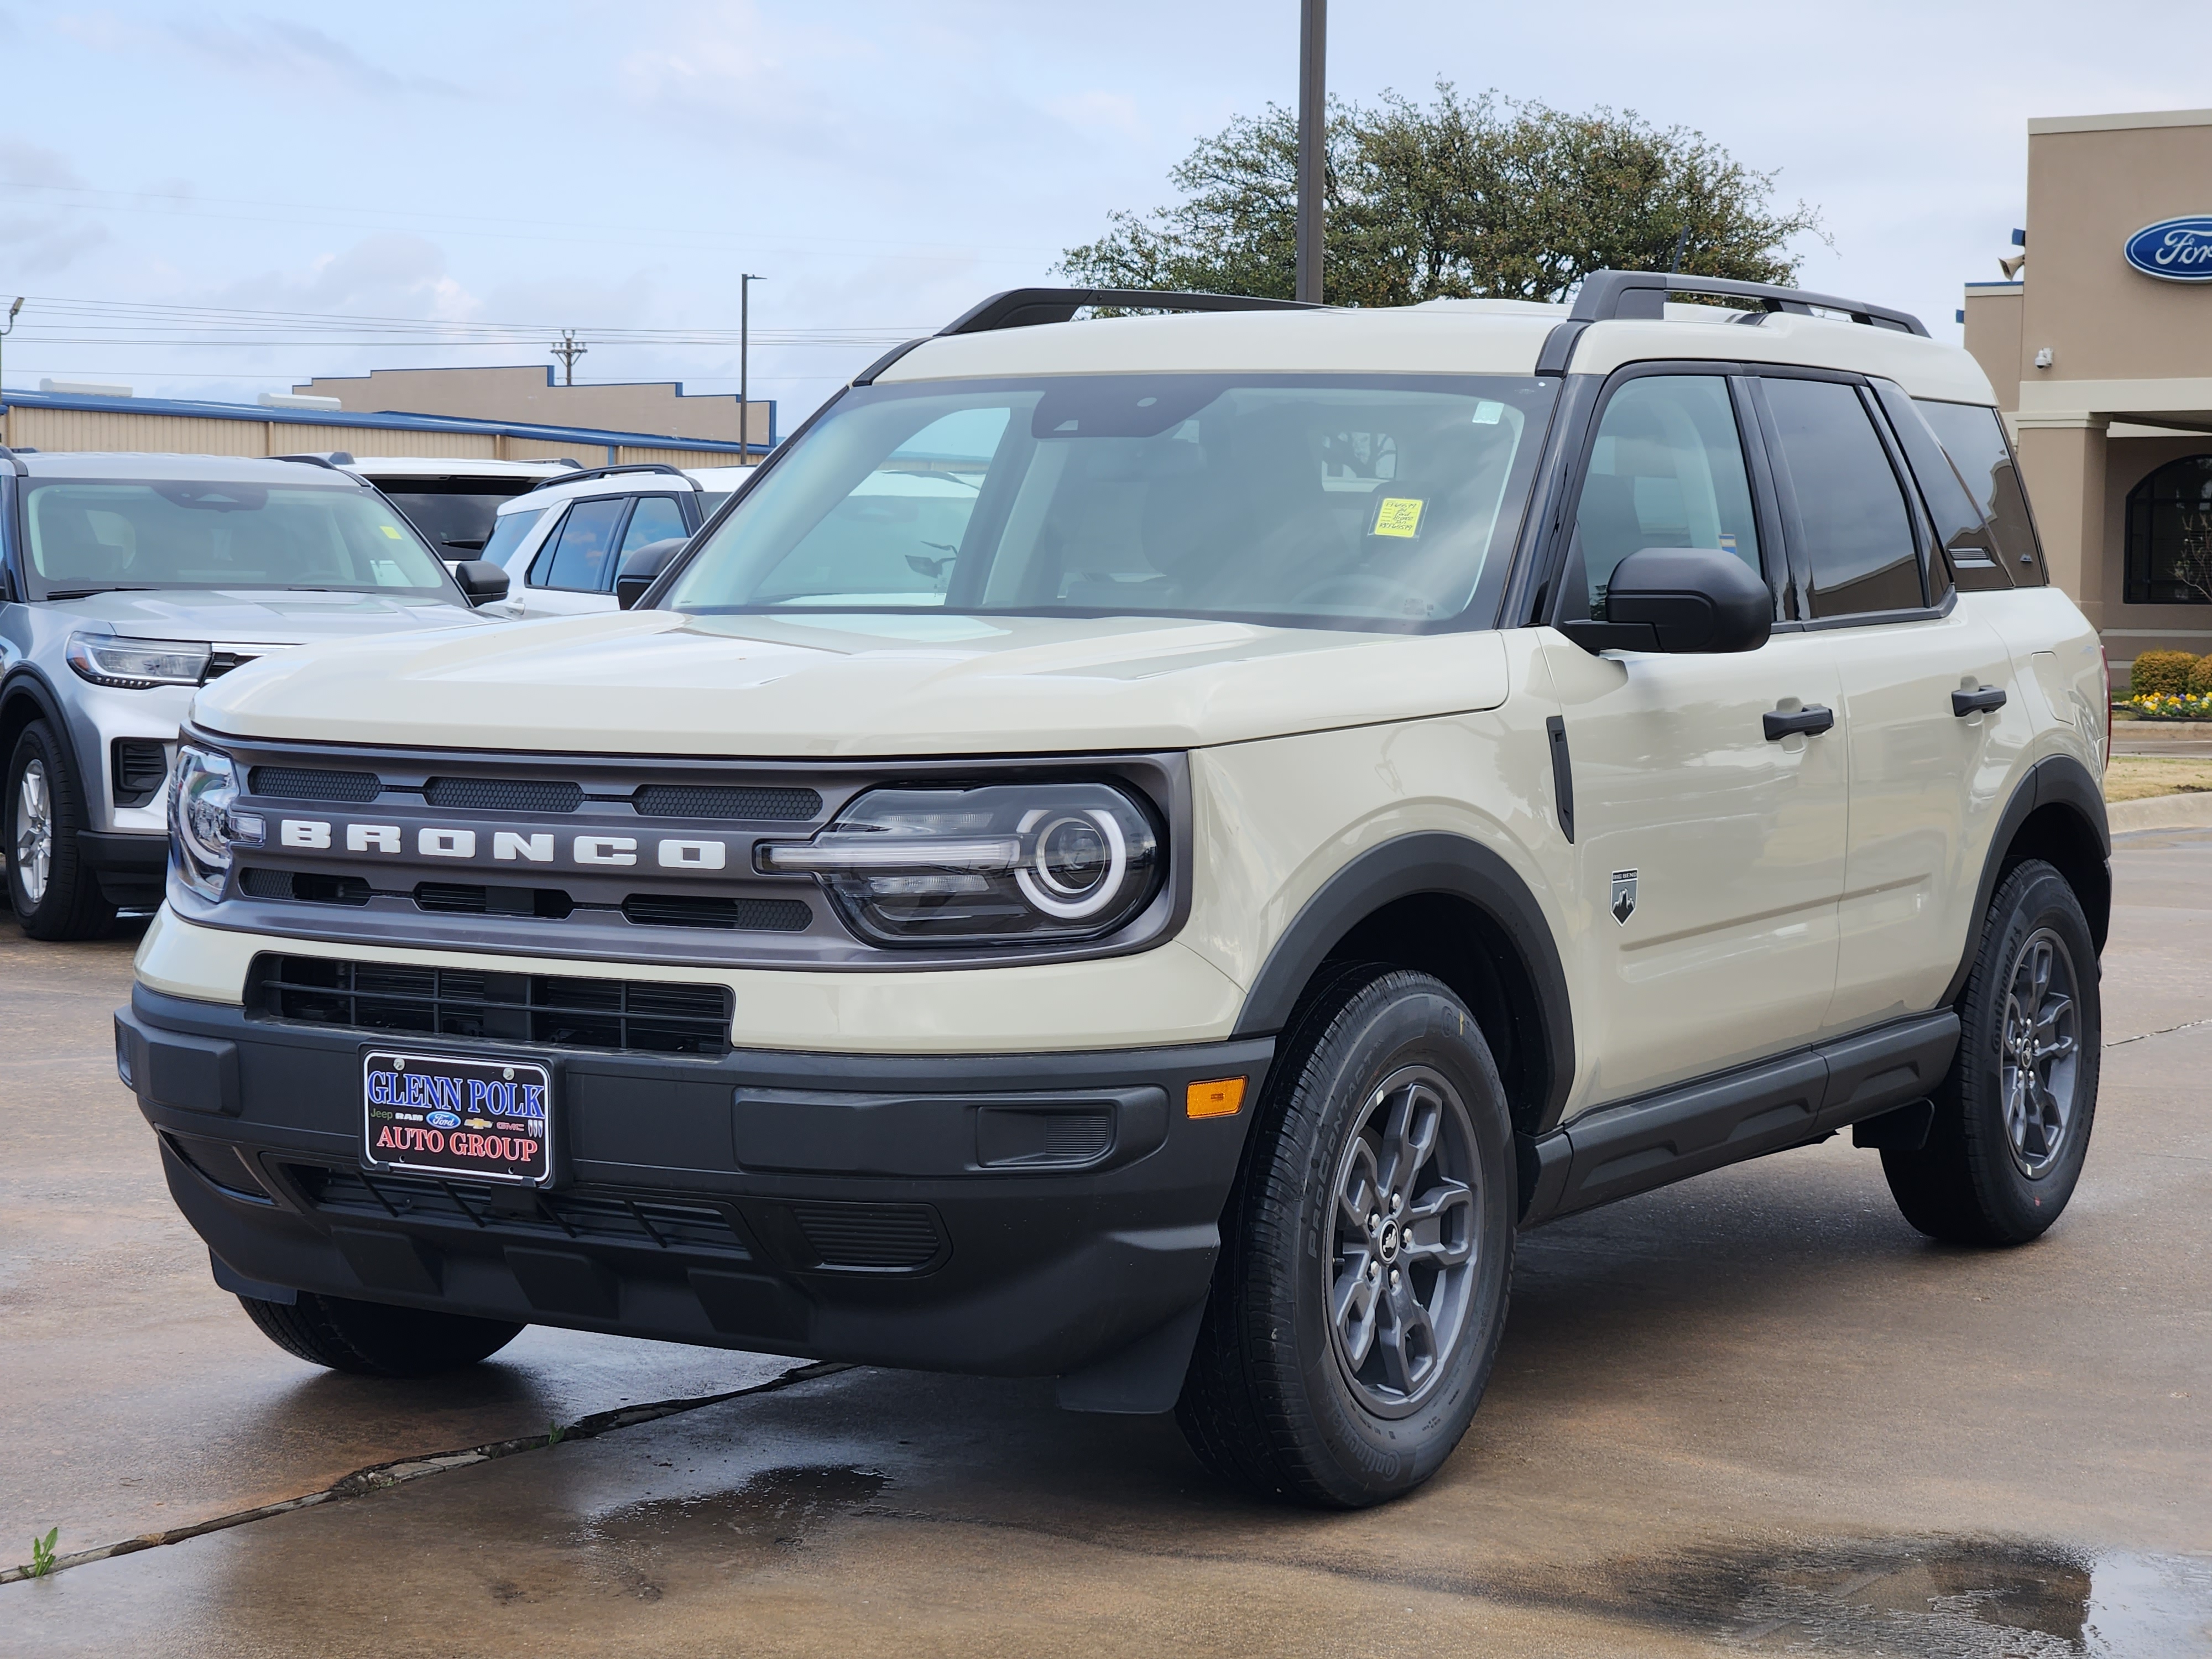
[(1709, 856)]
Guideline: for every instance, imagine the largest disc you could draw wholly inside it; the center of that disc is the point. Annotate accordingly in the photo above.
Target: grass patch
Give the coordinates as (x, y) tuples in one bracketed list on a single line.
[(2139, 777)]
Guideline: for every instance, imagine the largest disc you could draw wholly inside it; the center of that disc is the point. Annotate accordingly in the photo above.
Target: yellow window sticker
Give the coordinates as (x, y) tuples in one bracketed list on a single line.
[(1399, 516), (392, 531)]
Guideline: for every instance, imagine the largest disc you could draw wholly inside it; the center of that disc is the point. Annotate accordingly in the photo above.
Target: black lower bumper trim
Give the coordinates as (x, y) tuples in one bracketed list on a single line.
[(886, 1233)]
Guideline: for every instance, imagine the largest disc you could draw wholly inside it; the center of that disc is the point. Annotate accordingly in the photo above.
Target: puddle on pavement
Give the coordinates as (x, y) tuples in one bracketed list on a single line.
[(775, 1506), (1946, 1598)]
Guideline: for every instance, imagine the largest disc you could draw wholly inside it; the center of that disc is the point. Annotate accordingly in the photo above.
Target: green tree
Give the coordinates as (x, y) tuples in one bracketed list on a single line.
[(1466, 197)]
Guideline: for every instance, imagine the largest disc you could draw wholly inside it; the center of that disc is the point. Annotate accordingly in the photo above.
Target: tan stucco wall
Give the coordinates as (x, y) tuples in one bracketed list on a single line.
[(523, 394), (1993, 326)]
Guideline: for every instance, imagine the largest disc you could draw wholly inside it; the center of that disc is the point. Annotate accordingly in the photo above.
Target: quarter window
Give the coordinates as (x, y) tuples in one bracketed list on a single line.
[(1851, 515), (1973, 435), (580, 556), (1666, 470)]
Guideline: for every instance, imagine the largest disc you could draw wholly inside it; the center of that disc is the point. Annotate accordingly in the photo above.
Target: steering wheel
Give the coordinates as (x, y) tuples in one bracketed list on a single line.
[(1367, 590)]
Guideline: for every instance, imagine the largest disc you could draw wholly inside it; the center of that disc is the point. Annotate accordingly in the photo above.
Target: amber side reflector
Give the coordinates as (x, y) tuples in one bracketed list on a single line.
[(1219, 1098)]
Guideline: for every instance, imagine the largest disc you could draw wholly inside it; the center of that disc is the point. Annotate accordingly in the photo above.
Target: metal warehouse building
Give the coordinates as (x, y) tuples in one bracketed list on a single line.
[(73, 421)]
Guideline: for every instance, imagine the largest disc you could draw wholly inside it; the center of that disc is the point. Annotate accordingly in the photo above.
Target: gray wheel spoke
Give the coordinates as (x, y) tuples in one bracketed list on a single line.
[(1409, 1342), (1430, 1226), (1353, 1301), (1358, 1192)]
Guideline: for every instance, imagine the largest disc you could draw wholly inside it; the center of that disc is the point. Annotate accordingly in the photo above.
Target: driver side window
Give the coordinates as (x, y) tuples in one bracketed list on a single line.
[(1666, 470)]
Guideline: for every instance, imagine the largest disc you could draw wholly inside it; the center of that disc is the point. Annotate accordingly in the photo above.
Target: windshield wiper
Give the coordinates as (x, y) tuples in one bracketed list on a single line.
[(88, 592)]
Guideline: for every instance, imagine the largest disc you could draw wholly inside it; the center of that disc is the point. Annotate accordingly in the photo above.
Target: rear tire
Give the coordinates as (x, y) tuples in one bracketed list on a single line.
[(41, 810), (1367, 1250), (2013, 1116), (370, 1339)]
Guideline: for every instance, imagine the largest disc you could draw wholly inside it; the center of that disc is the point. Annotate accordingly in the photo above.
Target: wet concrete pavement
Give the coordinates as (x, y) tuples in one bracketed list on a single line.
[(1753, 1414)]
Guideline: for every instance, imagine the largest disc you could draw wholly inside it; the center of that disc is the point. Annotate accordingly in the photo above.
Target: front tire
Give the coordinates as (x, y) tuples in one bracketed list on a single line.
[(371, 1339), (55, 896), (2012, 1117), (1367, 1250)]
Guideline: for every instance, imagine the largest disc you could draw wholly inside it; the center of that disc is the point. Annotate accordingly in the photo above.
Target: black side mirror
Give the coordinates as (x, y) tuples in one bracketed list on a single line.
[(1680, 600), (482, 581), (641, 567)]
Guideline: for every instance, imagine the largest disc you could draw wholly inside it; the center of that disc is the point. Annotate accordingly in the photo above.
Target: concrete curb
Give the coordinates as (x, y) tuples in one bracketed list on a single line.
[(2191, 811)]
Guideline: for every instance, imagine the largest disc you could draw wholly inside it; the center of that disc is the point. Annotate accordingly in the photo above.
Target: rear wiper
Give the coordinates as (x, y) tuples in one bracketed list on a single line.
[(87, 592)]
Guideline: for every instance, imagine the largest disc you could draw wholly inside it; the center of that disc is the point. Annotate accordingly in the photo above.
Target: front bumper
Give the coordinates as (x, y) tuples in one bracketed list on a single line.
[(131, 869), (1010, 1215)]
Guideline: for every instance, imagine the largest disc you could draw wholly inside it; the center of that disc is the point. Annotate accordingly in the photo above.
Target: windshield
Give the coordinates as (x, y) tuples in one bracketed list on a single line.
[(1334, 502), (456, 517), (87, 536)]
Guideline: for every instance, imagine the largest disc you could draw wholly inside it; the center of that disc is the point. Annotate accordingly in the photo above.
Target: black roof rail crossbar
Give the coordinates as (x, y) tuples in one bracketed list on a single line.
[(1607, 295), (609, 471), (15, 461), (1019, 308), (338, 460)]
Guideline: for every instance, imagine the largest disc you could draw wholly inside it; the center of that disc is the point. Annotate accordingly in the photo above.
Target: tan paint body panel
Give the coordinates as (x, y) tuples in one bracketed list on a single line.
[(1922, 367), (659, 682)]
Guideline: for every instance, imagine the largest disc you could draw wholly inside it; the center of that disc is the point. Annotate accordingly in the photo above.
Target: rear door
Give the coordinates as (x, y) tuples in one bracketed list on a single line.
[(1929, 771), (1710, 853)]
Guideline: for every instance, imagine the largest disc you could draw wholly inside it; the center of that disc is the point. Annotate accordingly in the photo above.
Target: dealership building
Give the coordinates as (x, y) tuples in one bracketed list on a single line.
[(2102, 354)]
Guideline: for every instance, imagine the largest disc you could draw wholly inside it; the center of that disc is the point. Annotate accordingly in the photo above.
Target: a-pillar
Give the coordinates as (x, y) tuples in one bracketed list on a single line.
[(2061, 462)]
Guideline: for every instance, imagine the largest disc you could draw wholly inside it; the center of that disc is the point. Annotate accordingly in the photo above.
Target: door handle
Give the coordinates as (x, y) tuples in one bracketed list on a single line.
[(1811, 721), (1964, 703)]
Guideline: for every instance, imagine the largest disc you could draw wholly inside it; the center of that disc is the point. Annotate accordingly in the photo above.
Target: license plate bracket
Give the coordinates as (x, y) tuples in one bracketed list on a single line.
[(467, 1115)]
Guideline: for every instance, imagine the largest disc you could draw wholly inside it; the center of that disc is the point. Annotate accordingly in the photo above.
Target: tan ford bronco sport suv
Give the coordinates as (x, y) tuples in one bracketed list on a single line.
[(1145, 850)]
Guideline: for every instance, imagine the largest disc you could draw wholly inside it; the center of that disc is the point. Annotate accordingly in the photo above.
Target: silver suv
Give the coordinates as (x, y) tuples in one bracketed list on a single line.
[(127, 582)]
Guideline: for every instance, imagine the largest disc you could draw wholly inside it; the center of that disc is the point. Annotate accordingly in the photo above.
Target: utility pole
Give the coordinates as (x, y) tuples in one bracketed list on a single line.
[(5, 330), (1313, 142), (568, 351), (746, 281)]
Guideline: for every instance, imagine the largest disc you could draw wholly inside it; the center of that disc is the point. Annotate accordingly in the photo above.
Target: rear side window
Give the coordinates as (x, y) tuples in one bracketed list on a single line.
[(581, 555), (1852, 522), (1975, 437), (1666, 470), (654, 519)]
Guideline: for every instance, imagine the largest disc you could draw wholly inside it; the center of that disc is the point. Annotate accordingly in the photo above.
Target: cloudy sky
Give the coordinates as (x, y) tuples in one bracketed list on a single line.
[(512, 169)]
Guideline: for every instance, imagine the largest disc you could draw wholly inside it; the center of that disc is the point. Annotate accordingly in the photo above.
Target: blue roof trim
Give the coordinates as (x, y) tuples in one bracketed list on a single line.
[(387, 420)]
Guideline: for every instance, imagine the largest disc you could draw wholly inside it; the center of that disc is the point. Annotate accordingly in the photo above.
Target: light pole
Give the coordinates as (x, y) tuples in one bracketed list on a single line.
[(5, 330), (746, 281), (1313, 142)]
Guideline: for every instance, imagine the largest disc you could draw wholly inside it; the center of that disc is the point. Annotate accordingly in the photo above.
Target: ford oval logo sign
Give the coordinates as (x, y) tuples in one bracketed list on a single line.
[(442, 1120), (2177, 250)]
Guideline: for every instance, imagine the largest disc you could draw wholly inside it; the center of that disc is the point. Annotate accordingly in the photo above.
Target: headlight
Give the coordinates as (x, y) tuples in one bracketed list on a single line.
[(203, 827), (1033, 863), (137, 665)]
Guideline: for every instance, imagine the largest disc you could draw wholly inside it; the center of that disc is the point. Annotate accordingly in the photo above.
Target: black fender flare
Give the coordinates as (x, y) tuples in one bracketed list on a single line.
[(26, 683), (1428, 862), (2056, 781)]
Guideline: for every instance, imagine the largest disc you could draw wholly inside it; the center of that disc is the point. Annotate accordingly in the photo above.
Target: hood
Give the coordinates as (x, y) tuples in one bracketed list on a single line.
[(658, 682), (257, 616)]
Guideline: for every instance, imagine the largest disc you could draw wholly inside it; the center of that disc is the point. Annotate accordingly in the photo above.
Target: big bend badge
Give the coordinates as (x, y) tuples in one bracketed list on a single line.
[(1624, 896)]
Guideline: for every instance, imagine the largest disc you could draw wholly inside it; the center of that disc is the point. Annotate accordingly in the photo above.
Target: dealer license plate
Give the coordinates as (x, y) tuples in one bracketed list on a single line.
[(488, 1119)]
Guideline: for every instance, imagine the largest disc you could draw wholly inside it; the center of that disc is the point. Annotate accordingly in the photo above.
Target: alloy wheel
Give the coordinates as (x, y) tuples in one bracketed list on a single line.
[(2041, 1051), (33, 844), (1405, 1221)]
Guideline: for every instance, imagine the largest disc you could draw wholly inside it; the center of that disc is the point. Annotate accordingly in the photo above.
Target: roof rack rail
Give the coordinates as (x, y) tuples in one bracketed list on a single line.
[(609, 471), (1020, 308), (335, 459), (1608, 295), (15, 461)]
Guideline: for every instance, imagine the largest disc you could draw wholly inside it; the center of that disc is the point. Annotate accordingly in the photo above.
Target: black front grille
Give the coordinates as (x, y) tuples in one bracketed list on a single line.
[(686, 801), (665, 1223), (141, 767), (466, 898), (884, 1237), (744, 915), (548, 1010), (505, 794), (302, 886), (309, 783)]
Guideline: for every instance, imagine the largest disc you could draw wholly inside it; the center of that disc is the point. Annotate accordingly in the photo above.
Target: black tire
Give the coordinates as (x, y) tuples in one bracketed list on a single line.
[(1276, 1399), (370, 1339), (1992, 1171), (68, 905)]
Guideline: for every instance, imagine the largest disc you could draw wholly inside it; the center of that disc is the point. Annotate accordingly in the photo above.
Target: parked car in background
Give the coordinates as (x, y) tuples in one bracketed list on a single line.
[(452, 502), (562, 541), (129, 581)]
